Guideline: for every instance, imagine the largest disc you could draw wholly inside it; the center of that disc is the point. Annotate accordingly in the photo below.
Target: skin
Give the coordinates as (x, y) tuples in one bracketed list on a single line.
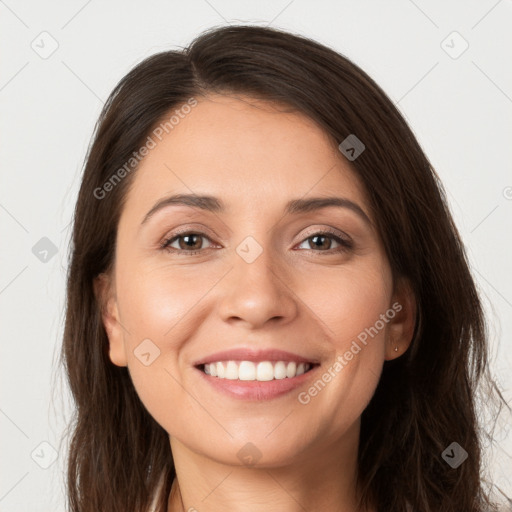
[(295, 296)]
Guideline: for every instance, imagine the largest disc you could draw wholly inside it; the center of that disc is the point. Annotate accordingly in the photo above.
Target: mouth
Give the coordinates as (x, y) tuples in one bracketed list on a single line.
[(254, 371), (255, 376)]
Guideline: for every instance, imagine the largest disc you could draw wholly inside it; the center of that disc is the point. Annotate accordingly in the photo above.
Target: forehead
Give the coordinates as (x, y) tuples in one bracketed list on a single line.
[(251, 153)]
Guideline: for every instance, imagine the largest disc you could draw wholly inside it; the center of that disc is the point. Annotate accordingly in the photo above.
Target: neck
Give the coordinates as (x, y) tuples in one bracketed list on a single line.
[(320, 478)]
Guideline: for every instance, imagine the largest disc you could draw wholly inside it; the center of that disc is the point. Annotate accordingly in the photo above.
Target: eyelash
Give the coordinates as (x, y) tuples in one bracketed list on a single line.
[(344, 244)]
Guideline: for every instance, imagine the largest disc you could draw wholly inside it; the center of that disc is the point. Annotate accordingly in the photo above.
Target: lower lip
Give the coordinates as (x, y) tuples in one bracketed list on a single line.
[(257, 390)]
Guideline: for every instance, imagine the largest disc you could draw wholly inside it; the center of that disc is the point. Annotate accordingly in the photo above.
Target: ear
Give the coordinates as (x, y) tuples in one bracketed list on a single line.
[(104, 290), (401, 326)]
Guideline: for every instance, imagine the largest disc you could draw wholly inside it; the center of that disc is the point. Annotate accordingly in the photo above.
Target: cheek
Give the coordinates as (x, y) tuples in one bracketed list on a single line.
[(352, 309), (160, 311), (349, 302), (162, 303)]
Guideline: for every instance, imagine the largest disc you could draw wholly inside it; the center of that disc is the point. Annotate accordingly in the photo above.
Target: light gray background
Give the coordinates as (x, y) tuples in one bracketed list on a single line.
[(459, 108)]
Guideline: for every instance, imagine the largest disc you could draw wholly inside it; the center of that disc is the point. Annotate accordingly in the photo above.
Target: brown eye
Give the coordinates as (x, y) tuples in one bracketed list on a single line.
[(190, 243), (187, 242), (323, 241)]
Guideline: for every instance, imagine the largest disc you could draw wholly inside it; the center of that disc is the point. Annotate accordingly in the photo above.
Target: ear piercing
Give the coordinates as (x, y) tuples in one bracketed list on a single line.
[(396, 349)]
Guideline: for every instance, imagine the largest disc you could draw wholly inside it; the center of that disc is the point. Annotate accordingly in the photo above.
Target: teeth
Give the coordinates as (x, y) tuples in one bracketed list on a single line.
[(262, 371), (246, 370), (291, 370), (280, 370), (265, 371), (231, 371)]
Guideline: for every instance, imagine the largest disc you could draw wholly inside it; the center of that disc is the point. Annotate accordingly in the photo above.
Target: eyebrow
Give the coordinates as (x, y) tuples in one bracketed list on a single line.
[(295, 206)]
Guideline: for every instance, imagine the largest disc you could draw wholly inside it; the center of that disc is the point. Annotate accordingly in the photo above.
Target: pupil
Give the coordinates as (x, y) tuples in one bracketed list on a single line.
[(188, 238), (316, 237)]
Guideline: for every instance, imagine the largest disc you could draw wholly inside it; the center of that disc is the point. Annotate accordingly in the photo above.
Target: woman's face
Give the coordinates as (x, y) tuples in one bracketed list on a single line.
[(255, 276)]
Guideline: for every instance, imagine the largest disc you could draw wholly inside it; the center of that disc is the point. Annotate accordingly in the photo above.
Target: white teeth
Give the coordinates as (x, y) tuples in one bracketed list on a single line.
[(232, 370), (291, 369), (280, 370), (262, 371), (246, 370)]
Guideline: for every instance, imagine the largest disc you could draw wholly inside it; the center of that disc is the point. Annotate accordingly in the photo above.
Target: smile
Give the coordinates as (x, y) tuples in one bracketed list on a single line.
[(255, 374), (255, 371)]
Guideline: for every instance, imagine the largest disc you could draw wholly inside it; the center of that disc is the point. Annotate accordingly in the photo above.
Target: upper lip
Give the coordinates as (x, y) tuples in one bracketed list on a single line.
[(247, 354)]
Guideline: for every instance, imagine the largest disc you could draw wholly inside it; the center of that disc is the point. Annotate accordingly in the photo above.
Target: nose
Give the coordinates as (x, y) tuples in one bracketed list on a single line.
[(255, 292)]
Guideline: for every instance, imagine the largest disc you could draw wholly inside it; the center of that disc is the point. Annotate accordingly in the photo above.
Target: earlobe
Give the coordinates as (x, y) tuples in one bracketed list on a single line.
[(106, 299), (401, 328)]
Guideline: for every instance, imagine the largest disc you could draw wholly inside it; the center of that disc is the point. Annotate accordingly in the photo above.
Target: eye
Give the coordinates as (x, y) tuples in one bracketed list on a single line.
[(320, 237), (189, 242)]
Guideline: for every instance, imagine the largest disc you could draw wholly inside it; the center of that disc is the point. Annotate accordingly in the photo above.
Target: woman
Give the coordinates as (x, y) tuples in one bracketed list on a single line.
[(269, 306)]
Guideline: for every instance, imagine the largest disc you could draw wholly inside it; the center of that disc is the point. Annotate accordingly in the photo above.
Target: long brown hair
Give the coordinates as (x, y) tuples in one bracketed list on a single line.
[(425, 399)]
